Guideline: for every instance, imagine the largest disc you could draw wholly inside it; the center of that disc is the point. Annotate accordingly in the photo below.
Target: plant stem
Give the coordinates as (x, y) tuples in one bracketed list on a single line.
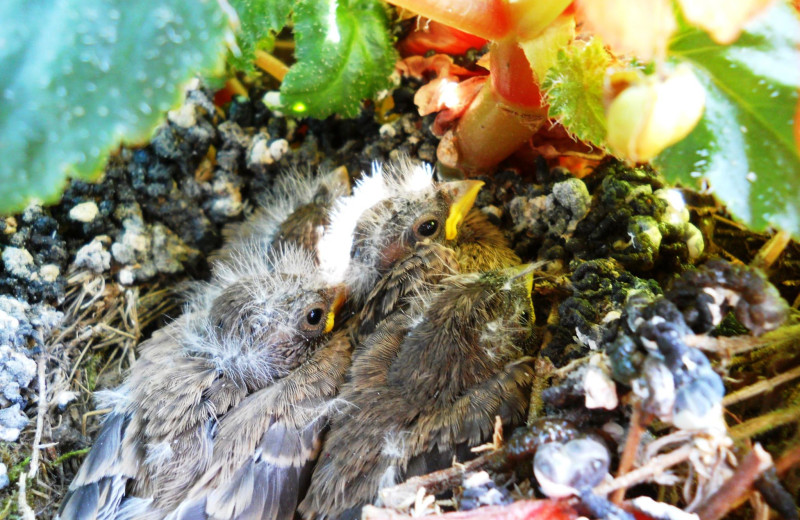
[(271, 65), (489, 131), (637, 427), (764, 423), (751, 467)]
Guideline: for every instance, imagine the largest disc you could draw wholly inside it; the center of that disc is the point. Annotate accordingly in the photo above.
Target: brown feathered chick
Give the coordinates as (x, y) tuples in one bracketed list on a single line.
[(253, 346), (480, 246), (427, 386)]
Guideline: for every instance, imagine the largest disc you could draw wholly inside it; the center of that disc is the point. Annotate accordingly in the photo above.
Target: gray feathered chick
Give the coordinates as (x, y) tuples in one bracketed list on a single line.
[(426, 386), (253, 345), (389, 212), (295, 211)]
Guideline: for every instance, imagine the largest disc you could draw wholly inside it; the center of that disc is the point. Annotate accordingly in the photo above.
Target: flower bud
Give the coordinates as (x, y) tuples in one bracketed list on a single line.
[(652, 114)]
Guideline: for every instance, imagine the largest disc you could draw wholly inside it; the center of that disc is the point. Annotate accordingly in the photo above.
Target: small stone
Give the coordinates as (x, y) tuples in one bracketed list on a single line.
[(16, 372), (387, 130), (93, 256), (49, 272), (84, 212), (12, 421), (258, 153), (278, 148), (185, 116), (4, 482), (18, 262), (126, 276), (10, 226), (132, 244), (599, 388)]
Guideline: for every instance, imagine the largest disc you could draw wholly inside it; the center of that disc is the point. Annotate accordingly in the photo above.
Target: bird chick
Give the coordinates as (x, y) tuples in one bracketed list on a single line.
[(480, 246), (427, 386), (388, 213), (257, 331), (296, 211)]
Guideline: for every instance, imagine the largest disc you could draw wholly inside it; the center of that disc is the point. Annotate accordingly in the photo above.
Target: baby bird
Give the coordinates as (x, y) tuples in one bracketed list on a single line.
[(427, 386), (296, 211), (480, 246), (253, 348), (389, 212)]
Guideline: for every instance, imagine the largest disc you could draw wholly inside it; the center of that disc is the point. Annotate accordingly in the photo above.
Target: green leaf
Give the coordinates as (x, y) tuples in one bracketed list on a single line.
[(79, 76), (260, 20), (344, 54), (574, 90), (744, 144)]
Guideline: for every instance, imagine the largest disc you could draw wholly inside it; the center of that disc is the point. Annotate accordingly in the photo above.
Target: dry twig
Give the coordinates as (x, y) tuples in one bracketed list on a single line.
[(727, 496)]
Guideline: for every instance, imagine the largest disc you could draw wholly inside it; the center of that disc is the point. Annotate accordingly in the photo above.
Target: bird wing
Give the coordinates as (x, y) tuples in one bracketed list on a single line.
[(429, 263), (99, 486), (441, 433), (162, 408), (264, 449)]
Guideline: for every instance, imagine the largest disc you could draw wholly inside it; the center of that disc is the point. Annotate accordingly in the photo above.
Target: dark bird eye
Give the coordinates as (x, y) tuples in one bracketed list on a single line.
[(314, 316), (525, 317), (428, 228)]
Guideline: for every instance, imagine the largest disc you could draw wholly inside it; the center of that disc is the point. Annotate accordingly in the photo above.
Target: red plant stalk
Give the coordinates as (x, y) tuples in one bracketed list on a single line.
[(507, 111), (488, 19), (503, 117), (441, 38)]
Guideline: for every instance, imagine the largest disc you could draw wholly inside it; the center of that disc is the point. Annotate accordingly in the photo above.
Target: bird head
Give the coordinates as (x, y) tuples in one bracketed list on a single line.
[(389, 212), (265, 313)]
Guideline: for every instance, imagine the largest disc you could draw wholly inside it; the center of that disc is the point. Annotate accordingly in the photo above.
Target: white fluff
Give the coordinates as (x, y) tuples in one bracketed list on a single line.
[(401, 179)]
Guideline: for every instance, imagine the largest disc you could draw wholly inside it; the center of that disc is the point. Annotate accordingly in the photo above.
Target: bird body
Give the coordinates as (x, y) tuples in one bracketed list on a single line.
[(296, 211), (261, 325), (425, 386)]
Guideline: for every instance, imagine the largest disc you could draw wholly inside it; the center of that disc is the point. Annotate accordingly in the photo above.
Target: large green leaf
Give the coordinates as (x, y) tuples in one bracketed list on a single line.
[(344, 54), (80, 76), (574, 90), (259, 21), (744, 144)]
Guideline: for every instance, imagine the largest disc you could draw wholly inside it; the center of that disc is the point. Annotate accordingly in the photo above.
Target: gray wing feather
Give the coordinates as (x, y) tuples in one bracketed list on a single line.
[(99, 486)]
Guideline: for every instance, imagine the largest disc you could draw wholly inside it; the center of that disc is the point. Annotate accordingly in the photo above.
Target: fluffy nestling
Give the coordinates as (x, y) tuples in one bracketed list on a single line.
[(425, 387), (254, 330), (389, 212)]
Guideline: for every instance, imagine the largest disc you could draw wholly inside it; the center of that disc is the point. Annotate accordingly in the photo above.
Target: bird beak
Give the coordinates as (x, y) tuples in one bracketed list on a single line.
[(463, 195), (338, 302)]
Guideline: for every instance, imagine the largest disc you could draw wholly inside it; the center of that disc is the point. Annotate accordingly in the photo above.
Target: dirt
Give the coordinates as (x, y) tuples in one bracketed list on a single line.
[(84, 281)]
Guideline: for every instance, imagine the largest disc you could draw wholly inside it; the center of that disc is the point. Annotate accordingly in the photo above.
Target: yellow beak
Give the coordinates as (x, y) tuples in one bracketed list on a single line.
[(338, 302), (464, 194)]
